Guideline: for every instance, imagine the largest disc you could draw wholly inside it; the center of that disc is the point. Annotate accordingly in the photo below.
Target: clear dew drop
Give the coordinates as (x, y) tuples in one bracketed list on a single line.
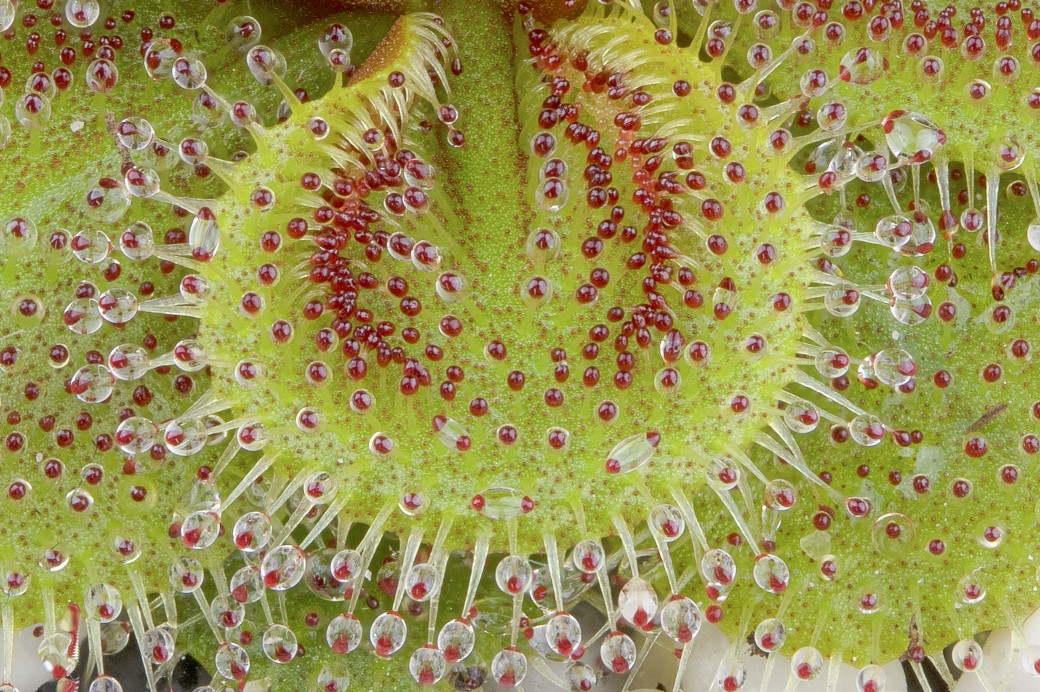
[(731, 675), (14, 580), (770, 635), (844, 162), (420, 174), (862, 66), (1007, 153), (452, 434), (427, 665), (338, 60), (388, 633), (335, 36), (346, 565), (893, 535), (450, 287), (200, 530), (227, 611), (632, 452), (563, 633), (514, 574), (136, 435), (159, 645), (159, 57), (872, 166), (91, 247), (319, 580), (866, 430), (813, 83), (19, 237), (243, 114), (231, 661), (206, 111), (780, 495), (320, 487), (252, 532), (204, 235), (831, 362), (184, 437), (32, 110), (723, 473), (836, 241), (189, 355), (426, 256), (618, 652), (279, 644), (908, 282), (185, 574), (142, 182), (5, 129), (972, 220), (189, 73), (893, 366), (247, 585), (1033, 234), (911, 136), (551, 196), (329, 680), (137, 242), (502, 503), (343, 633), (807, 663), (243, 32), (92, 384), (399, 245), (637, 602), (105, 683), (107, 204), (971, 589), (456, 639), (53, 651), (871, 678), (82, 13), (922, 236), (801, 417), (582, 676), (681, 619), (265, 63), (911, 312), (283, 567), (842, 300), (509, 667), (667, 521), (893, 231), (104, 602), (250, 374), (1030, 659), (101, 76), (588, 556), (421, 582), (543, 245), (8, 12), (718, 568), (118, 306), (771, 574)]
